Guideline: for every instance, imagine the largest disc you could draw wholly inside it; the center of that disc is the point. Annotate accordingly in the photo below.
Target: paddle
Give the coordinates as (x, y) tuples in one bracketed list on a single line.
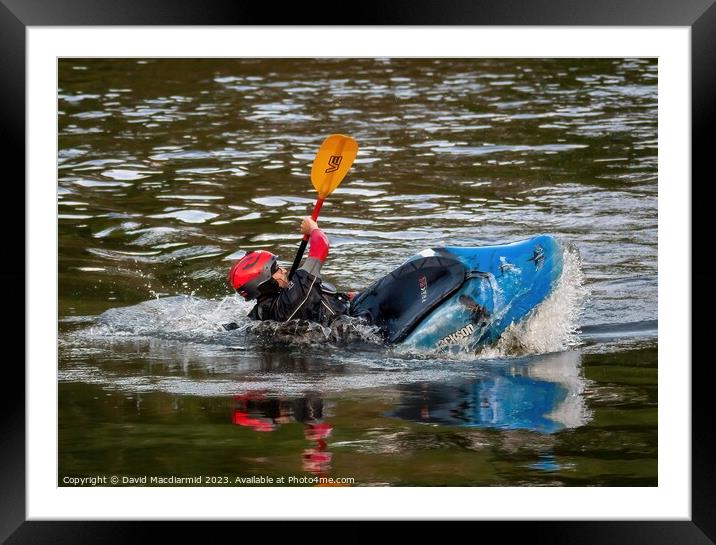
[(330, 166)]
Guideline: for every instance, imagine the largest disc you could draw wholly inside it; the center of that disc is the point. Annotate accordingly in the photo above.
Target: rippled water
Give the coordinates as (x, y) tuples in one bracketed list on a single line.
[(168, 168)]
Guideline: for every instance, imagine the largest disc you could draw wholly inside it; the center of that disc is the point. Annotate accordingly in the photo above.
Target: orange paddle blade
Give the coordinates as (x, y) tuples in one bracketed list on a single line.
[(332, 163)]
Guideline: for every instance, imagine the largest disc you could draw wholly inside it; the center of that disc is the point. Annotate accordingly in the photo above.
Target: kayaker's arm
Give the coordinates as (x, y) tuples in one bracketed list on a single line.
[(318, 247), (303, 295)]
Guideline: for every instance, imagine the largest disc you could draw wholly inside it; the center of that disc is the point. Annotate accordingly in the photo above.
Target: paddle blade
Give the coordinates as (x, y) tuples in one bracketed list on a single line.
[(332, 163)]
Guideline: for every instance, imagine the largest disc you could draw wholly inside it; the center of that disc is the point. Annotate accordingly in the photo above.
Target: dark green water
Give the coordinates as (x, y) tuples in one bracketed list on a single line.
[(168, 168)]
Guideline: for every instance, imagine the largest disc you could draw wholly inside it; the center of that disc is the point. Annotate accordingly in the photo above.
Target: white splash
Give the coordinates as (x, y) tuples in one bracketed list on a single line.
[(193, 319), (552, 326)]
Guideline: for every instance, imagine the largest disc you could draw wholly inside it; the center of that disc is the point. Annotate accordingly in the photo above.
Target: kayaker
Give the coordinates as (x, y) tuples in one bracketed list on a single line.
[(258, 276)]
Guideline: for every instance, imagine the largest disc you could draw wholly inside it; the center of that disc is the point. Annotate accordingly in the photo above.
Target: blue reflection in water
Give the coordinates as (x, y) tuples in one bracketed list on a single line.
[(548, 463), (542, 395), (514, 402)]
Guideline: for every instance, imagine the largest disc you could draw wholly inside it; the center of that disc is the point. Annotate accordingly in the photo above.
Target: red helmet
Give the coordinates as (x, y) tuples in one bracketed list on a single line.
[(251, 273)]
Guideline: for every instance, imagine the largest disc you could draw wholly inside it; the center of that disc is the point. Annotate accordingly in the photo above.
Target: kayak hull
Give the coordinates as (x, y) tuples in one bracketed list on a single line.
[(487, 289), (507, 282)]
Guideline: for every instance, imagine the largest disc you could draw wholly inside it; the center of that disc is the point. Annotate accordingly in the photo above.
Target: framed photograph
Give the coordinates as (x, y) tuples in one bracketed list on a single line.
[(401, 272)]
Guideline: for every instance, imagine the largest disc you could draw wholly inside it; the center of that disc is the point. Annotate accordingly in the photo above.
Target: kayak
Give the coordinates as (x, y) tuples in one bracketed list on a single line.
[(458, 298)]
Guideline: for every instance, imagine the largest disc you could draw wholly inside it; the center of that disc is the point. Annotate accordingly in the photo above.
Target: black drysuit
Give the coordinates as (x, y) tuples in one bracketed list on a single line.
[(305, 298)]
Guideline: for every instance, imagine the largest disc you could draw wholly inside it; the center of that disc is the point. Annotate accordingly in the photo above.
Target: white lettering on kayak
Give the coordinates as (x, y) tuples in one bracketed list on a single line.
[(457, 336), (423, 285)]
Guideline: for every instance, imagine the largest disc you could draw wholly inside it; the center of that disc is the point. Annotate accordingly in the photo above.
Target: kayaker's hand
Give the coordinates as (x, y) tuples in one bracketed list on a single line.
[(308, 225)]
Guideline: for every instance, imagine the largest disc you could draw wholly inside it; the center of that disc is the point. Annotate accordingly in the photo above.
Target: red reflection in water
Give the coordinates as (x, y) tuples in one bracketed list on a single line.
[(241, 416), (253, 410), (317, 460)]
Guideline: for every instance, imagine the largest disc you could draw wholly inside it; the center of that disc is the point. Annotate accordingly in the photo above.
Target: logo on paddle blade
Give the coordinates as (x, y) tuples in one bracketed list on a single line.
[(334, 162)]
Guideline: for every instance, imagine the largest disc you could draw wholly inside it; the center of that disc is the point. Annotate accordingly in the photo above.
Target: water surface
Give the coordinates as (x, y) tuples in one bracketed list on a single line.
[(169, 168)]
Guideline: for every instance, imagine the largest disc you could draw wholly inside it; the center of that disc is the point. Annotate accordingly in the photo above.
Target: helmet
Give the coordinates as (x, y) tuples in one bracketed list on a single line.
[(251, 275)]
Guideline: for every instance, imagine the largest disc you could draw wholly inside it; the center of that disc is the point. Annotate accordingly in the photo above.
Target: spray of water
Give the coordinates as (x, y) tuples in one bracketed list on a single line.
[(553, 325), (195, 320)]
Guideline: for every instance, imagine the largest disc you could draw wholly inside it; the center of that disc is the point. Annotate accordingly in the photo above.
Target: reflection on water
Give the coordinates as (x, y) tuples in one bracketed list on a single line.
[(262, 414), (556, 419), (543, 395)]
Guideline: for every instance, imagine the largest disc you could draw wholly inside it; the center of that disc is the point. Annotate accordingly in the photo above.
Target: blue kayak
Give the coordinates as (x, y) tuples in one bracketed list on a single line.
[(461, 297)]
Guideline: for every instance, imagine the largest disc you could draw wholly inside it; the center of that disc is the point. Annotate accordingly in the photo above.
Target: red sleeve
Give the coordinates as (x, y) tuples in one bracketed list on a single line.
[(318, 245)]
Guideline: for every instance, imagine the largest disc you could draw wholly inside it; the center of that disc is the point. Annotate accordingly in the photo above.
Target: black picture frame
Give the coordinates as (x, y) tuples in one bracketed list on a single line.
[(17, 15)]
